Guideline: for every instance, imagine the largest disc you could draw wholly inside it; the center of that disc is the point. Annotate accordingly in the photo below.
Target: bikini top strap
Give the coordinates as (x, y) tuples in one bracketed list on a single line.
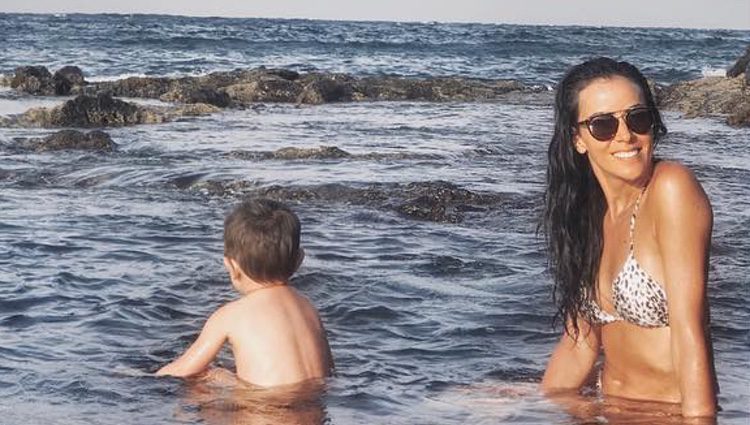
[(632, 217)]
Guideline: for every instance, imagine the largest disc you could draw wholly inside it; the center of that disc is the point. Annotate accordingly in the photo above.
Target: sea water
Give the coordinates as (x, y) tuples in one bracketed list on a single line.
[(109, 266)]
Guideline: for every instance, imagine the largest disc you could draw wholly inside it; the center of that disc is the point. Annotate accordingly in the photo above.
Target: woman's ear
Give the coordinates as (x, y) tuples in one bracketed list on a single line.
[(578, 144)]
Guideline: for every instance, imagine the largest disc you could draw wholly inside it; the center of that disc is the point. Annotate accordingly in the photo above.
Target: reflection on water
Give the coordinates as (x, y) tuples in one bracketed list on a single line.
[(521, 402), (621, 411), (219, 397)]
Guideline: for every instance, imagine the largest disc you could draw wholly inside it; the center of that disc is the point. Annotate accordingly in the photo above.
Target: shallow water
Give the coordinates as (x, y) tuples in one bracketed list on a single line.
[(110, 263)]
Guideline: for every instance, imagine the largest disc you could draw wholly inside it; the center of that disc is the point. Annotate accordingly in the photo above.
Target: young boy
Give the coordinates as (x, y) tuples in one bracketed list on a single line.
[(275, 333)]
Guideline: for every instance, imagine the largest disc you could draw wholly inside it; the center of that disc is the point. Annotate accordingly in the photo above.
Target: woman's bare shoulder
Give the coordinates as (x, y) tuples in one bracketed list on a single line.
[(675, 190), (672, 179), (672, 172)]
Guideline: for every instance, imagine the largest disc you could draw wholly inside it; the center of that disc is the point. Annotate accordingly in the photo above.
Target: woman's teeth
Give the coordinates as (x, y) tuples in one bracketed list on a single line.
[(627, 154)]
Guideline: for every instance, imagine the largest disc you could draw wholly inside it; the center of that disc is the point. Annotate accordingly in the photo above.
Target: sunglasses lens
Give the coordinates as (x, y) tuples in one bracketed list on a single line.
[(640, 120), (603, 127)]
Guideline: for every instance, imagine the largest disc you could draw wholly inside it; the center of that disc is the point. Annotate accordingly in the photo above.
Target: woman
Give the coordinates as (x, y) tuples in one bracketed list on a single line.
[(628, 238)]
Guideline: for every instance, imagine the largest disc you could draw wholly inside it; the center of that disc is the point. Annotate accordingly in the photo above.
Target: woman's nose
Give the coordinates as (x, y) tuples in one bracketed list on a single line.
[(624, 134)]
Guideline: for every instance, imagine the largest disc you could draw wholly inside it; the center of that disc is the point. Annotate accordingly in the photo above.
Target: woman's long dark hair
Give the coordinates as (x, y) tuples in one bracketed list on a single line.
[(574, 203)]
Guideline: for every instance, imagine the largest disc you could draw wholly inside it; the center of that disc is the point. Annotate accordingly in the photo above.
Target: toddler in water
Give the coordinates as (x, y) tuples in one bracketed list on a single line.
[(275, 333)]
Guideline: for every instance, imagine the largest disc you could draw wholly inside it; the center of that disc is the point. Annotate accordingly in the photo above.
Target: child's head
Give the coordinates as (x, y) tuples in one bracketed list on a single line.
[(262, 237)]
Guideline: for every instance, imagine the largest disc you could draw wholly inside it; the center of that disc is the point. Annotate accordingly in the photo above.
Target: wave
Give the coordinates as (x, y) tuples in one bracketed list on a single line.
[(174, 74), (708, 71)]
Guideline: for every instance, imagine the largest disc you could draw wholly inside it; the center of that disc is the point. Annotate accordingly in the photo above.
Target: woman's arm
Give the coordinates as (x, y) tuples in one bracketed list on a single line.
[(683, 233), (203, 350), (572, 360)]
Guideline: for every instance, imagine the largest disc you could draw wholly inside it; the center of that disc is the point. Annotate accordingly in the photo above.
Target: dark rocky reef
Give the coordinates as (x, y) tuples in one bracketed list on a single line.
[(436, 201), (66, 78), (102, 111), (741, 66), (33, 80), (96, 140), (437, 89), (242, 87), (441, 201), (324, 152), (709, 96), (37, 80), (729, 96)]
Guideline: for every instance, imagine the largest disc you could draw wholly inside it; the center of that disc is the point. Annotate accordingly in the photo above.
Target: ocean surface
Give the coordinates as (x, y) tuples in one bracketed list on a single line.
[(109, 263)]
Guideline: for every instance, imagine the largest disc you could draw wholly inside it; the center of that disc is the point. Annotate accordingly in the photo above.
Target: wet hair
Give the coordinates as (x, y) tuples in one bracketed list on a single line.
[(574, 203), (262, 236)]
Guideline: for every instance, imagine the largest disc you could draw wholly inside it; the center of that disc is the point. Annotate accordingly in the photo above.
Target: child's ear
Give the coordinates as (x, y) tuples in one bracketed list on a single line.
[(232, 267), (300, 258)]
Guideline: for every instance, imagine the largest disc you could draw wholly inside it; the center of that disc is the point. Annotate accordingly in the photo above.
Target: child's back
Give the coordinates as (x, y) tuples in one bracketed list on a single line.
[(277, 337)]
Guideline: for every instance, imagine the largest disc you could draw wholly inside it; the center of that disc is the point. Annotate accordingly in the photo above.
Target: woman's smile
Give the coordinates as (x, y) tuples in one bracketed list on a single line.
[(627, 154)]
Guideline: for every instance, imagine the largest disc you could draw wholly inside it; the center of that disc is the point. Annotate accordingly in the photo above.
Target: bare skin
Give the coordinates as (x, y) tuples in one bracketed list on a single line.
[(275, 334), (672, 238)]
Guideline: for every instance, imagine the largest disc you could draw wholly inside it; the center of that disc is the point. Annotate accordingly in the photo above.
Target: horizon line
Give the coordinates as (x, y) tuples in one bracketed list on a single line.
[(404, 21)]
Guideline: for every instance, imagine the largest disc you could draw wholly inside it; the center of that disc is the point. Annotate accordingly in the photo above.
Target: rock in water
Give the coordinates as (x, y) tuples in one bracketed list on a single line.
[(740, 118), (103, 111), (708, 97), (66, 78), (145, 87), (320, 88), (96, 140), (240, 88), (33, 80), (323, 152), (741, 65), (435, 201), (72, 140), (209, 96), (100, 111), (265, 89)]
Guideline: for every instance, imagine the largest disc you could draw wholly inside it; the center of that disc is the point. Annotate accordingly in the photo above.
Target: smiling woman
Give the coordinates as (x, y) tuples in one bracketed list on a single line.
[(628, 238)]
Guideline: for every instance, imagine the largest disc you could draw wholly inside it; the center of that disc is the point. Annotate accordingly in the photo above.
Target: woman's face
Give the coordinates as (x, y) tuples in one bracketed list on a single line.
[(626, 156)]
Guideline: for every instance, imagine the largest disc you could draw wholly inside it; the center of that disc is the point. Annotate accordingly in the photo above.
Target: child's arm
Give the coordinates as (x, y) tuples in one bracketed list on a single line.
[(203, 350)]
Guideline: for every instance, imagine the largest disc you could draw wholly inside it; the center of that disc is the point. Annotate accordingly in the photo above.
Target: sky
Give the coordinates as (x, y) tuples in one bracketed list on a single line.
[(726, 14)]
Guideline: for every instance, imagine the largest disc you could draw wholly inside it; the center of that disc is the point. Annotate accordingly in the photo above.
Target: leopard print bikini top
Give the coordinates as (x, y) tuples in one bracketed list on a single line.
[(636, 296)]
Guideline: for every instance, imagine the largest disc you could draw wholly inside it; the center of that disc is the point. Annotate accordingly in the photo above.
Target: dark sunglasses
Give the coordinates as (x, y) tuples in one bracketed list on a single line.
[(603, 127)]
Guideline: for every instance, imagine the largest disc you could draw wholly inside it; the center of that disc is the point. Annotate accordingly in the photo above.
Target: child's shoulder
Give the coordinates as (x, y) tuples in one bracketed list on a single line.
[(232, 310), (225, 312), (277, 299), (232, 313)]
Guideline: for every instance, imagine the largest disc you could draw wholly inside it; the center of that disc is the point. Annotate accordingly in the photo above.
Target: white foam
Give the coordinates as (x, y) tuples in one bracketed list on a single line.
[(106, 78), (101, 79), (20, 105), (707, 71)]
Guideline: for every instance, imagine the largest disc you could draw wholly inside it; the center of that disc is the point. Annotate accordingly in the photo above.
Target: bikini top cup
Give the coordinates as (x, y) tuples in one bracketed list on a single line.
[(636, 296)]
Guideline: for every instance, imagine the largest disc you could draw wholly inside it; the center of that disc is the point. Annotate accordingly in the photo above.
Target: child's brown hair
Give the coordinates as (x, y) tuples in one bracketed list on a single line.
[(262, 236)]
